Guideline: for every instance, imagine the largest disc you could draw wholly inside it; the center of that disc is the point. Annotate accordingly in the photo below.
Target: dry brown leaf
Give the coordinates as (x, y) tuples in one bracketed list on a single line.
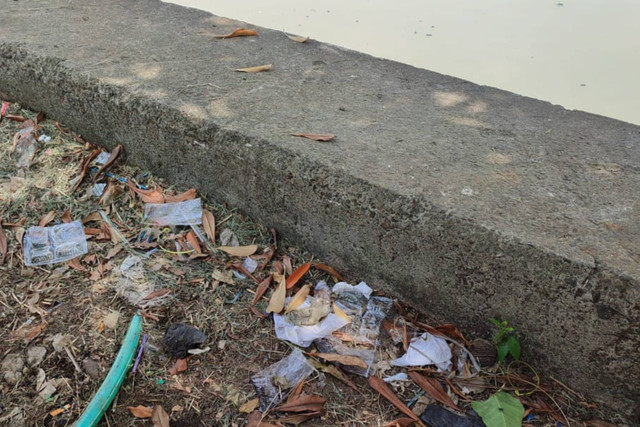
[(66, 217), (249, 406), (159, 417), (399, 422), (193, 241), (297, 275), (261, 289), (190, 194), (93, 216), (297, 419), (112, 190), (304, 403), (157, 294), (342, 359), (298, 298), (244, 251), (47, 219), (335, 372), (76, 265), (113, 252), (112, 158), (240, 32), (297, 39), (340, 312), (4, 247), (433, 388), (255, 419), (256, 69), (286, 260), (329, 270), (85, 166), (316, 136), (140, 411), (181, 365), (276, 303), (452, 331), (147, 196), (209, 225), (381, 387)]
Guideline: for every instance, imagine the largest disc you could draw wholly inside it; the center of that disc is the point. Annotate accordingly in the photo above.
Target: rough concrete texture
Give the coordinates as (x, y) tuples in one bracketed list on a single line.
[(468, 201)]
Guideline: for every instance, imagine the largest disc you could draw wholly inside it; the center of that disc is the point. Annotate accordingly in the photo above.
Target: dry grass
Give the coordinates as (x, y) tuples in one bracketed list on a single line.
[(39, 302)]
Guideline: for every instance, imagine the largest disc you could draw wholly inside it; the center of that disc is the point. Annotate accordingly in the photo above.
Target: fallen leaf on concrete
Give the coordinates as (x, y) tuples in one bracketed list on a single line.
[(47, 219), (256, 69), (297, 39), (181, 365), (296, 275), (276, 303), (244, 251), (433, 388), (316, 136), (342, 359), (209, 225), (381, 387), (261, 289), (298, 298), (159, 417), (112, 158), (190, 194), (304, 403), (240, 32), (3, 246), (249, 406), (140, 411)]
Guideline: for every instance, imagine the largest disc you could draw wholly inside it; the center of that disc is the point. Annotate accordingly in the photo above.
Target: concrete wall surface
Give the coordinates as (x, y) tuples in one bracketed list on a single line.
[(467, 201)]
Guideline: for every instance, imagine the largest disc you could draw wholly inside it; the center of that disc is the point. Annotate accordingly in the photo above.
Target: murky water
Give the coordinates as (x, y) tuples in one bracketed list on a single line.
[(581, 54)]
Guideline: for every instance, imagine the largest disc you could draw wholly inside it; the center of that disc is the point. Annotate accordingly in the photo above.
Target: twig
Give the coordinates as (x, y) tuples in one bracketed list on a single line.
[(73, 359)]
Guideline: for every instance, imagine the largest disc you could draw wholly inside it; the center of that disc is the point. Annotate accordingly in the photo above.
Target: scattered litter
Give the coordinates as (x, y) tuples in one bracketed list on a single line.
[(45, 139), (49, 245), (25, 145), (98, 189), (102, 158), (92, 368), (274, 383), (12, 368), (304, 335), (401, 376), (182, 213), (139, 356), (249, 265), (426, 350), (181, 338), (437, 416), (133, 284)]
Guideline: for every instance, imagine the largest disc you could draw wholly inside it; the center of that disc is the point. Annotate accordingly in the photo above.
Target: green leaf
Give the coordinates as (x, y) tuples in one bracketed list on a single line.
[(514, 347), (503, 350), (498, 323), (500, 410)]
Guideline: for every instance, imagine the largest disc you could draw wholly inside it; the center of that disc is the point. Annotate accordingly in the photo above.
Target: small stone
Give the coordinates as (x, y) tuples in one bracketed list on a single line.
[(35, 355), (12, 366), (92, 368)]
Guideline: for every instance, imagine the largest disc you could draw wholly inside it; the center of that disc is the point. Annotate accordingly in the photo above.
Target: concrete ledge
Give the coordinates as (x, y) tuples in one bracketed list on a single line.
[(468, 201)]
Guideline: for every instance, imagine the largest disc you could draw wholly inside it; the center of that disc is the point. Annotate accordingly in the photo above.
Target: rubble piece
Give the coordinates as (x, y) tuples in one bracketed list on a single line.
[(49, 245), (188, 212), (426, 350), (181, 338), (274, 383)]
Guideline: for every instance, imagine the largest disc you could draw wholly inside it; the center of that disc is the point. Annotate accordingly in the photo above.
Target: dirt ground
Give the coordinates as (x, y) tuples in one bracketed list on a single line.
[(63, 324)]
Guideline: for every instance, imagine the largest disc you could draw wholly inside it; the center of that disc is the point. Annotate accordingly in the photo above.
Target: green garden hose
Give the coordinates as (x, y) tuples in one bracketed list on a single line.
[(111, 384)]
